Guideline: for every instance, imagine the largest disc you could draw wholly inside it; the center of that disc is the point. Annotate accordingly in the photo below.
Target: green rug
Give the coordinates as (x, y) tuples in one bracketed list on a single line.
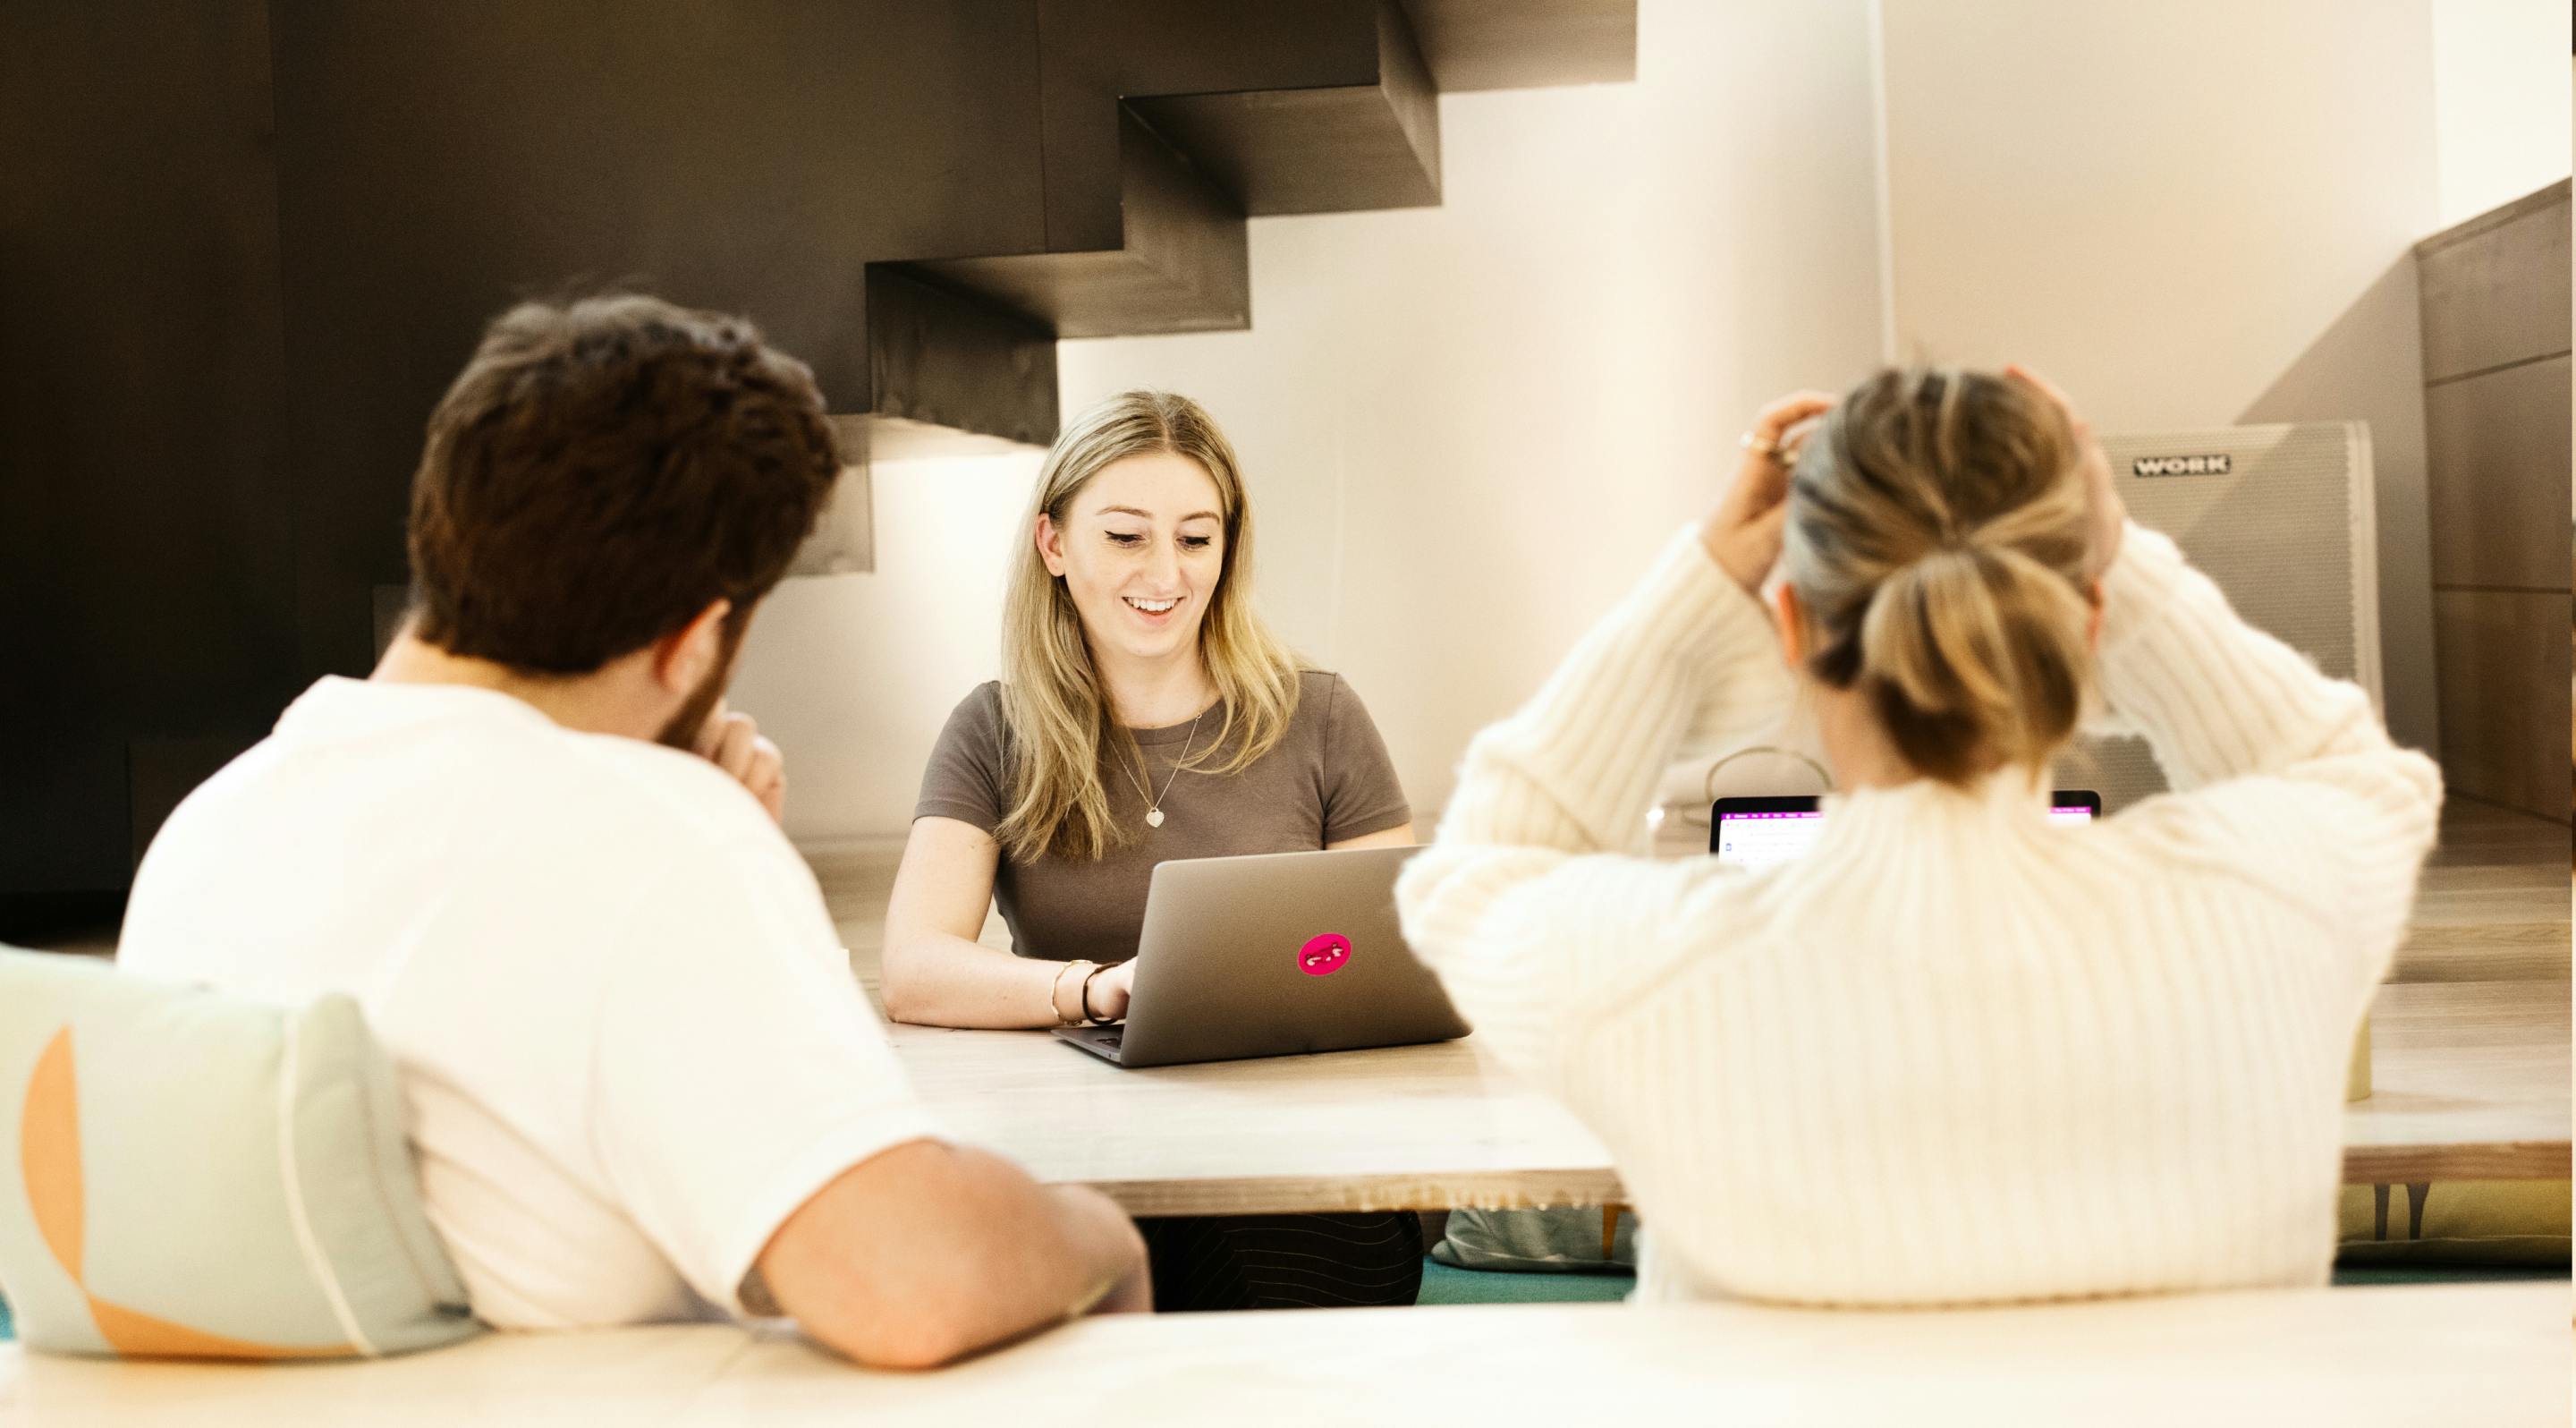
[(2348, 1274), (1446, 1284)]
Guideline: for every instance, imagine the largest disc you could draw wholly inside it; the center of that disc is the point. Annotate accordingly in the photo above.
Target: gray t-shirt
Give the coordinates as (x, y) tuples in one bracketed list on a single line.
[(1328, 779)]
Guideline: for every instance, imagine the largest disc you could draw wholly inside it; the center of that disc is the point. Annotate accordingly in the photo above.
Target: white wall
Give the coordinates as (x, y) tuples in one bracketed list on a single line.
[(2501, 110), (1472, 424), (2192, 213), (1465, 428), (854, 674)]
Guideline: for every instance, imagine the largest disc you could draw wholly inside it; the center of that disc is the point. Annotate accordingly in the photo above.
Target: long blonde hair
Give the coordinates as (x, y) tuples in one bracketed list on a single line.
[(1057, 713), (1939, 540)]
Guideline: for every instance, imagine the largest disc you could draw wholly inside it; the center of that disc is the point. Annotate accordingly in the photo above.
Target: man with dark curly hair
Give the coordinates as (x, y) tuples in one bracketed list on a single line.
[(545, 859)]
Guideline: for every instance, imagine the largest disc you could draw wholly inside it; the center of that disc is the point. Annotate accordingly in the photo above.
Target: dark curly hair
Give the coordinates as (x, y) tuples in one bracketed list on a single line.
[(604, 470)]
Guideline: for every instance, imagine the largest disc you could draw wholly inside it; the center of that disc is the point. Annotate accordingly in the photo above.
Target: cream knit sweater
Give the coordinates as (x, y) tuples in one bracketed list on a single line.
[(1955, 1053)]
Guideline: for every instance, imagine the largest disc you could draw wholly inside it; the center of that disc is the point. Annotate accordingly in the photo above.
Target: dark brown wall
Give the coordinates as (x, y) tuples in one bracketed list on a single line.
[(1119, 48), (752, 156), (146, 559), (2496, 324), (244, 244)]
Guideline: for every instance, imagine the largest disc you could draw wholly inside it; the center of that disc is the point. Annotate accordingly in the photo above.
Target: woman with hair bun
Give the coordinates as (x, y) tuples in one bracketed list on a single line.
[(1955, 1053)]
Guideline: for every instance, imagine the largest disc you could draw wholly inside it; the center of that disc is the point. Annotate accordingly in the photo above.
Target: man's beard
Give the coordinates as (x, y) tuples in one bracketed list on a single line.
[(682, 731)]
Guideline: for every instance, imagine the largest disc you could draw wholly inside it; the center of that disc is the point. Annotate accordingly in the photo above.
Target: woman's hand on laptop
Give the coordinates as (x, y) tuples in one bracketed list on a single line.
[(1106, 998), (733, 742), (1743, 533)]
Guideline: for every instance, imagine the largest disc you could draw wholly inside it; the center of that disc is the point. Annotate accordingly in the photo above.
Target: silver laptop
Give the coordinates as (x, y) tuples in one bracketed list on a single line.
[(1273, 955)]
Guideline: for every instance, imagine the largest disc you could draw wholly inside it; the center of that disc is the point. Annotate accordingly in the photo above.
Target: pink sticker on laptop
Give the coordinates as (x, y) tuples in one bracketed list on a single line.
[(1323, 956)]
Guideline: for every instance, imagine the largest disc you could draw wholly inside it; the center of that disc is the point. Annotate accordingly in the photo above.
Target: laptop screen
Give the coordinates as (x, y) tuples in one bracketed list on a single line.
[(1757, 833)]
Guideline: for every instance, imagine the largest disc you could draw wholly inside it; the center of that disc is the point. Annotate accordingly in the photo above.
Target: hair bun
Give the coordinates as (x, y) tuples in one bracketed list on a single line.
[(1936, 539), (1975, 656)]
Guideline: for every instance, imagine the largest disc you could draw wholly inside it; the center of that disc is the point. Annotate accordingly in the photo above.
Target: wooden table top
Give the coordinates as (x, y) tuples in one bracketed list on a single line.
[(2490, 1355), (2470, 1081), (1397, 1128), (2470, 1075)]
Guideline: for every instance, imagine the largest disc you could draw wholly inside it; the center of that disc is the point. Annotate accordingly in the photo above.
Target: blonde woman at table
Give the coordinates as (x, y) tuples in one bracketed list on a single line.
[(1145, 713), (1955, 1053)]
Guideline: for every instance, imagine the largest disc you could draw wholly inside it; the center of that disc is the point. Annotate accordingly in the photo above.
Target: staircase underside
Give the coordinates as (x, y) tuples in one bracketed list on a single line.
[(280, 226), (917, 197), (1153, 155), (1330, 149), (1526, 44)]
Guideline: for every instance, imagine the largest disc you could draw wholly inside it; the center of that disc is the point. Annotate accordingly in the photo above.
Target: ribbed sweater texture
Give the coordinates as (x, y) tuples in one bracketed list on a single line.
[(1955, 1053)]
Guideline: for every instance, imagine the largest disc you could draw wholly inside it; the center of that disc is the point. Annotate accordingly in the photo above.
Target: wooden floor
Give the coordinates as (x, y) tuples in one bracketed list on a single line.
[(2492, 907), (2470, 1036), (2493, 904), (2471, 1032), (856, 883)]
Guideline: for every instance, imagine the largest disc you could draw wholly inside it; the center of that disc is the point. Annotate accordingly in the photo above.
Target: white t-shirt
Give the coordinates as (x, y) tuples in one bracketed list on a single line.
[(628, 1038)]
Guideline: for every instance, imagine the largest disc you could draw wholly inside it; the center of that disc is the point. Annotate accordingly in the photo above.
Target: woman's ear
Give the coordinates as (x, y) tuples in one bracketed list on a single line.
[(1050, 544), (683, 660), (1785, 614), (2093, 623)]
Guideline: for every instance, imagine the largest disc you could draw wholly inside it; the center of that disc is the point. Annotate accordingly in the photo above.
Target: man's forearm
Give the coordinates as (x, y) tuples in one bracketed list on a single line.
[(930, 1252), (1076, 1252)]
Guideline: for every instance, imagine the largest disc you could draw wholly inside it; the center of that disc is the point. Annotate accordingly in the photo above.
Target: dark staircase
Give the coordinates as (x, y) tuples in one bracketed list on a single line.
[(248, 243), (1153, 154)]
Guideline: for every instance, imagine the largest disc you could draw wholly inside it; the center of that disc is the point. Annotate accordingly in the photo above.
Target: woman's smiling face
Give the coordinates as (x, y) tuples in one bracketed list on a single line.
[(1141, 550)]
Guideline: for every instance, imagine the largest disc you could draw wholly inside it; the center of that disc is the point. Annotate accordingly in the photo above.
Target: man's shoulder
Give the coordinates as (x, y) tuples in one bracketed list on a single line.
[(526, 843), (666, 787), (527, 779)]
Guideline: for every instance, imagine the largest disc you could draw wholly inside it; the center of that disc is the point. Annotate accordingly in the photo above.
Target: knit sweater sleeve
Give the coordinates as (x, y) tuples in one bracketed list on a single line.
[(2281, 774), (1531, 898)]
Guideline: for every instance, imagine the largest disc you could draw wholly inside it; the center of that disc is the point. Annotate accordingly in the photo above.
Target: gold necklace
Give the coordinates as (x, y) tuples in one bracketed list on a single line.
[(1153, 800)]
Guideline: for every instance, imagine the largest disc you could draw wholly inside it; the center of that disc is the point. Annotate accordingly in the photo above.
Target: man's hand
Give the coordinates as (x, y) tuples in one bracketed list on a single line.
[(1134, 1293), (1743, 533), (732, 742)]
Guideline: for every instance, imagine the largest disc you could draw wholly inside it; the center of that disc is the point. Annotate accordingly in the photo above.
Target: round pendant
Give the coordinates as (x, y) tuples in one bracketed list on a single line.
[(1153, 818)]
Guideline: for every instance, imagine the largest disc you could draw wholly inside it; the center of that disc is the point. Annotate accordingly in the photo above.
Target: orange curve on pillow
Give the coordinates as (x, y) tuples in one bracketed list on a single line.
[(49, 1153), (49, 1159), (142, 1336)]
